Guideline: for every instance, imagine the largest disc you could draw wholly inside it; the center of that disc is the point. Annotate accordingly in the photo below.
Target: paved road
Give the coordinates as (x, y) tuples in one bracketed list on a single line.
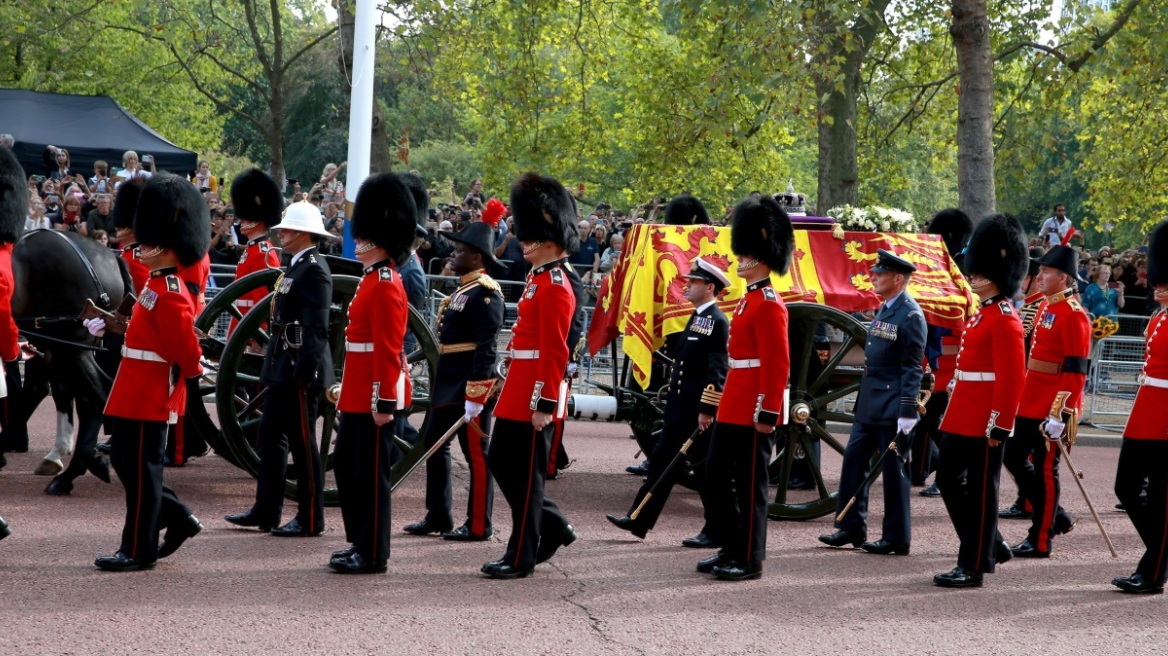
[(230, 591)]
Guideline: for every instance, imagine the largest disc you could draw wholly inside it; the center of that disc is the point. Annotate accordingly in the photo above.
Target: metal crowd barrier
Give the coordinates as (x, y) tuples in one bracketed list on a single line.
[(1116, 363)]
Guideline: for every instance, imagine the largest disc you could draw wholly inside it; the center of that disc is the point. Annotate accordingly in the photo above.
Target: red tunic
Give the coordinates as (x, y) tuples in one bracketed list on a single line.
[(760, 362), (376, 376), (139, 273), (1149, 415), (545, 316), (1062, 339), (991, 343), (947, 361), (9, 333), (160, 334), (197, 274), (259, 256)]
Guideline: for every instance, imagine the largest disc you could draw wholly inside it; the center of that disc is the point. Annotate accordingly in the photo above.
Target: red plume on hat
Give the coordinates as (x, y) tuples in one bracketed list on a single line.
[(493, 212)]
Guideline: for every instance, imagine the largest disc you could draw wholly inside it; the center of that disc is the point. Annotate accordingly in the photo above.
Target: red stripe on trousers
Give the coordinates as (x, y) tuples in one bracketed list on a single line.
[(985, 473), (526, 499), (753, 473), (141, 475), (478, 477), (1048, 503), (376, 485)]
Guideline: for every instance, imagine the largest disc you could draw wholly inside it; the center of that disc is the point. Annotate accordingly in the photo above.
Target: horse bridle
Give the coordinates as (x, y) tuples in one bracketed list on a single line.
[(102, 295)]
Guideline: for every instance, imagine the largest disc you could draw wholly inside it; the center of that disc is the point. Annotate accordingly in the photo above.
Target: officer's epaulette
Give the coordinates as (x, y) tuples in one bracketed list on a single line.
[(769, 294), (385, 273), (1074, 305), (557, 276), (1006, 307), (173, 284), (489, 283)]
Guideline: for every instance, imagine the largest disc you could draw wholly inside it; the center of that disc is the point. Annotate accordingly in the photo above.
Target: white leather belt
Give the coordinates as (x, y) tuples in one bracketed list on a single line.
[(753, 363), (525, 355), (244, 302), (974, 375), (1153, 382), (358, 347), (142, 354)]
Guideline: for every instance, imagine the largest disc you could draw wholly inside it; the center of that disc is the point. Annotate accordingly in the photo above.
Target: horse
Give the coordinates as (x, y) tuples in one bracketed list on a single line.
[(56, 274)]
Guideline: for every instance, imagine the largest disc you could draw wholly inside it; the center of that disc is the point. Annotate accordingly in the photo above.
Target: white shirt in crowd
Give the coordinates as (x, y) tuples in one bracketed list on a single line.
[(1055, 232), (37, 224)]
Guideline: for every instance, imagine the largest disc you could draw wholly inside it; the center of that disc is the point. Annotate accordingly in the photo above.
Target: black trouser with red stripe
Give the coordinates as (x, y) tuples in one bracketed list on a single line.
[(151, 505), (1021, 460), (1140, 459), (968, 475), (736, 473), (289, 424), (557, 454), (518, 459), (439, 500), (361, 463), (1045, 488), (926, 438)]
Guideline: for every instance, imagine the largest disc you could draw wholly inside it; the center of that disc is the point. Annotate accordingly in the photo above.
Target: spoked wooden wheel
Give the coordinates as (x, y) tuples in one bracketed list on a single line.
[(239, 395), (827, 358)]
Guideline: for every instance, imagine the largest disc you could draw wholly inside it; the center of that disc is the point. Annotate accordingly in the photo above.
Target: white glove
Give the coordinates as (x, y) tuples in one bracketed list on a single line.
[(1054, 428), (905, 425), (95, 326), (572, 368), (472, 410)]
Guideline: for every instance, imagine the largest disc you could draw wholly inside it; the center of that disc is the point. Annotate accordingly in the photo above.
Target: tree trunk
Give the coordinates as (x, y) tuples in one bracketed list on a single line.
[(975, 108), (379, 157), (275, 134)]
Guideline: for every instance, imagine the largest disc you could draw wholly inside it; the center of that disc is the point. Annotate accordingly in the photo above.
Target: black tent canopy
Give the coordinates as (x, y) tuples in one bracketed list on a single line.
[(89, 127)]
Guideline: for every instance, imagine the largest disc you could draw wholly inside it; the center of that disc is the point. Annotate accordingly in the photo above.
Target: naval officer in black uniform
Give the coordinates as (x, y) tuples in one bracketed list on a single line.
[(885, 408), (298, 366), (695, 387)]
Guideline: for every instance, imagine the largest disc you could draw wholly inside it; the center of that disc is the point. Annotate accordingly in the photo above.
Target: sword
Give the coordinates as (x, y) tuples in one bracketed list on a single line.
[(871, 477), (1086, 497), (430, 452), (672, 464)]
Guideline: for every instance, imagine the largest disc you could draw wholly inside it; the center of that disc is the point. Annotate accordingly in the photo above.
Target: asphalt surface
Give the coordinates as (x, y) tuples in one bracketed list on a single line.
[(232, 591)]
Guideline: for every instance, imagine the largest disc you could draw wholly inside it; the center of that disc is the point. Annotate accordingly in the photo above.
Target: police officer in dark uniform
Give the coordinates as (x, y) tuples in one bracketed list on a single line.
[(885, 409), (298, 366), (468, 327), (695, 386)]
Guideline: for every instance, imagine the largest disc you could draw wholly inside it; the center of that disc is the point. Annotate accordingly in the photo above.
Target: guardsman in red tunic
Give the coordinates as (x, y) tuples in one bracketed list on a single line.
[(468, 329), (941, 355), (173, 228), (1056, 371), (752, 400), (533, 394), (179, 447), (13, 209), (258, 204), (1144, 454), (987, 387)]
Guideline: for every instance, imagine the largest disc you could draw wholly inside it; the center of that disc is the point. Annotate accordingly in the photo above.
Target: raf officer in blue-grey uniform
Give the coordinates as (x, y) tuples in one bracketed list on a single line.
[(885, 409)]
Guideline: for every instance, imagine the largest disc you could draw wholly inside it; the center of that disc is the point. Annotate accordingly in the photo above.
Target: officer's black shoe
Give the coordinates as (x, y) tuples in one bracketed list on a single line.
[(343, 553), (550, 544), (355, 563), (931, 491), (1063, 523), (701, 541), (1137, 584), (886, 548), (1003, 554), (120, 562), (735, 572), (1026, 549), (99, 466), (427, 527), (639, 470), (294, 529), (5, 530), (252, 519), (1120, 506), (179, 533), (1014, 512), (497, 570), (104, 447), (958, 578), (842, 538), (464, 534), (707, 565), (59, 487), (624, 523)]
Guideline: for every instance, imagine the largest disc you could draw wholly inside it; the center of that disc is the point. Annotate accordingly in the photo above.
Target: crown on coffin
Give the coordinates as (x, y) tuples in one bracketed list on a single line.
[(794, 203)]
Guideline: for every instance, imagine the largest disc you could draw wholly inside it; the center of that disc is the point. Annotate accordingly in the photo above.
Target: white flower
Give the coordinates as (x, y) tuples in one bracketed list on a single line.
[(884, 227)]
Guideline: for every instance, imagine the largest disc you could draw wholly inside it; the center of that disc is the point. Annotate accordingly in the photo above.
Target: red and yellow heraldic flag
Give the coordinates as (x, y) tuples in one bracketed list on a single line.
[(643, 298)]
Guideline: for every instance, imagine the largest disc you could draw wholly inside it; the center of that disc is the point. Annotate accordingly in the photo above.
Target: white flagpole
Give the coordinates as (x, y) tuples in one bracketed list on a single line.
[(360, 107)]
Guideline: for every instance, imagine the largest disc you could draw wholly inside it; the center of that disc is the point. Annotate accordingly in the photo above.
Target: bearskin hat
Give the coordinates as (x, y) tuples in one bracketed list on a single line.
[(13, 197), (421, 195), (954, 226), (544, 211), (255, 197), (685, 210), (172, 214), (126, 203), (385, 214), (1158, 255), (761, 229), (1035, 253), (997, 251)]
